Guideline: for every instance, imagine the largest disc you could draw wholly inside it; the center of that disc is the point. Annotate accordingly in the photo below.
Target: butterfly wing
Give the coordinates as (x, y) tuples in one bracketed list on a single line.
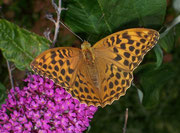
[(118, 55), (113, 81), (58, 64), (66, 67), (83, 87)]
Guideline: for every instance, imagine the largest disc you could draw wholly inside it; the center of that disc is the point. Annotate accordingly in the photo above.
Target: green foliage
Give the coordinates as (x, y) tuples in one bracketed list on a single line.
[(159, 55), (167, 43), (19, 45), (97, 18), (152, 80), (2, 93)]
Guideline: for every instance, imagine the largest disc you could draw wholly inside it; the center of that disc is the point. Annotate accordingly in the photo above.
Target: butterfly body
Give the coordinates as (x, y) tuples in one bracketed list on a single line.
[(90, 62), (100, 74), (88, 52)]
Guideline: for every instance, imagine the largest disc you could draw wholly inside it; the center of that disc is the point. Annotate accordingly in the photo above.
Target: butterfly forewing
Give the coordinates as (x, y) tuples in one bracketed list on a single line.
[(127, 48), (59, 64)]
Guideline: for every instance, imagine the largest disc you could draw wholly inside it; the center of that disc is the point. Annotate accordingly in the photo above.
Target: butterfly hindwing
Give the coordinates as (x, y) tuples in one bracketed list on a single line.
[(114, 81), (83, 89)]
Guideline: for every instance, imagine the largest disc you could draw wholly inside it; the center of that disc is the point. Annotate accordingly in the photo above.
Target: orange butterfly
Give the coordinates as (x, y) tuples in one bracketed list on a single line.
[(100, 74)]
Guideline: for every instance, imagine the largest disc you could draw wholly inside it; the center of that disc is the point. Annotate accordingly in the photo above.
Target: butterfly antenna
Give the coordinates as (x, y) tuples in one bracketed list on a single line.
[(72, 31)]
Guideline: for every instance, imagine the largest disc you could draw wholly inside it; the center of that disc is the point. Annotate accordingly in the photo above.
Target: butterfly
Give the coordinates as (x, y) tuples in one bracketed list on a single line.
[(100, 74)]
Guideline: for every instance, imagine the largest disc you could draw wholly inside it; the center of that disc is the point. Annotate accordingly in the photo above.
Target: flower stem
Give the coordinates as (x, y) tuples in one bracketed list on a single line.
[(10, 74), (57, 22), (125, 122)]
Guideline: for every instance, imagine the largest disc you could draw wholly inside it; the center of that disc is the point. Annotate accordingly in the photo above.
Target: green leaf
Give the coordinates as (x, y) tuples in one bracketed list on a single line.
[(140, 94), (169, 27), (177, 33), (176, 5), (167, 42), (152, 80), (88, 129), (98, 18), (3, 94), (159, 55), (19, 45)]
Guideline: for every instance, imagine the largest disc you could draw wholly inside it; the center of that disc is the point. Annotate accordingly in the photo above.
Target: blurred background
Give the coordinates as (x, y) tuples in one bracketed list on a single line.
[(159, 112)]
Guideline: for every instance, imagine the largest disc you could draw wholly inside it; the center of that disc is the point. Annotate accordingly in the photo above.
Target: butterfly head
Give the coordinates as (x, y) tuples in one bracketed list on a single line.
[(85, 45), (87, 52)]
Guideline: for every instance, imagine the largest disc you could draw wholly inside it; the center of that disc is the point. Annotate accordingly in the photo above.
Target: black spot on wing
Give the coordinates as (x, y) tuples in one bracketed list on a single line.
[(40, 63), (112, 39), (106, 69), (108, 43), (44, 66), (130, 41), (64, 52), (105, 88), (126, 62), (62, 71), (143, 40), (53, 61), (68, 78), (68, 62), (61, 62), (125, 35), (60, 54), (137, 51), (126, 54), (115, 50), (112, 92), (53, 54), (118, 40), (131, 48), (123, 46), (137, 44), (118, 76), (56, 68), (110, 85), (86, 90), (54, 73), (76, 84), (118, 58), (69, 51), (89, 97), (70, 70)]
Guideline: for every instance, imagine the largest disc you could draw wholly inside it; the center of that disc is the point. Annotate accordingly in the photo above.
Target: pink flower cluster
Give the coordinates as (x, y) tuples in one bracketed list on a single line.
[(43, 107)]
